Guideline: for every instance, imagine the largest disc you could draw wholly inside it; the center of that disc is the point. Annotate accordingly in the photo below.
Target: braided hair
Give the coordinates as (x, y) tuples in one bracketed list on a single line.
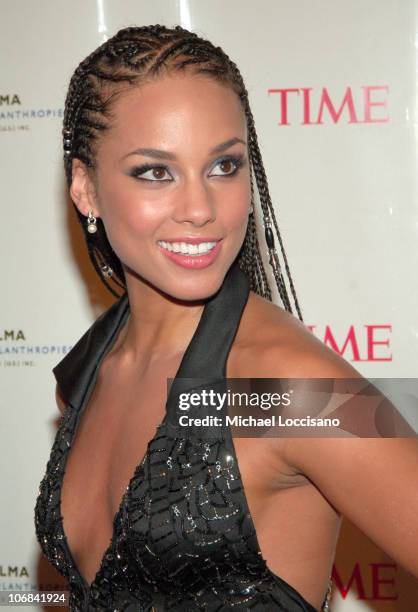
[(136, 55)]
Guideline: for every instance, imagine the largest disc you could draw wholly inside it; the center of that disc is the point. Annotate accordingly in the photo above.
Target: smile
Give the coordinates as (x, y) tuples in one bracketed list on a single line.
[(186, 248)]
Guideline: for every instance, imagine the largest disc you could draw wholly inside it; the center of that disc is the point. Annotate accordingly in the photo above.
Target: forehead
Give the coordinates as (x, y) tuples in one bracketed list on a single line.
[(178, 110)]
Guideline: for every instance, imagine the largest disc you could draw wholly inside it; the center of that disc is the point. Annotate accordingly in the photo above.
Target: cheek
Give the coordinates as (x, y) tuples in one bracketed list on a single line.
[(129, 217), (236, 206)]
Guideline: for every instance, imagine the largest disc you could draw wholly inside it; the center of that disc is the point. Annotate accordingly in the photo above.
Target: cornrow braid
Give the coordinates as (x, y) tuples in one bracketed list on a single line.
[(136, 55)]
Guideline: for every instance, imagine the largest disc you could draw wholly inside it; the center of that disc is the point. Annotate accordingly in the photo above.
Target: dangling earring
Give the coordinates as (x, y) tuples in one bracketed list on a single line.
[(91, 223), (106, 270), (273, 256), (275, 264)]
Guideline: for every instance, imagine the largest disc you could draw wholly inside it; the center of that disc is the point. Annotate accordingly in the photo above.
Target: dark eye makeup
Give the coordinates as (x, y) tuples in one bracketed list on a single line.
[(137, 172)]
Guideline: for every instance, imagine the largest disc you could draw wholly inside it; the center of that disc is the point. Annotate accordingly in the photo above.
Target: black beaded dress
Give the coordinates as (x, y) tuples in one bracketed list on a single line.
[(183, 537)]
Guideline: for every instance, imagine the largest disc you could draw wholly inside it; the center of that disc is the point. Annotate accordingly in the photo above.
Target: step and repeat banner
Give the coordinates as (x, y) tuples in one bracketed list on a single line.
[(333, 89)]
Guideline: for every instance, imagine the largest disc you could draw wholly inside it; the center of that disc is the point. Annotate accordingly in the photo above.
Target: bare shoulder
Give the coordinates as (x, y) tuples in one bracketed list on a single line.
[(273, 343)]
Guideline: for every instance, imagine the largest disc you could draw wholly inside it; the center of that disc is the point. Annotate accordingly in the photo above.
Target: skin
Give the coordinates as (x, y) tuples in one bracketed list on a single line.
[(293, 485)]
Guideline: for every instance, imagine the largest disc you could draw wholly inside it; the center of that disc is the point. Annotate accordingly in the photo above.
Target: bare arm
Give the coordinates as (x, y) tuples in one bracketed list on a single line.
[(371, 481)]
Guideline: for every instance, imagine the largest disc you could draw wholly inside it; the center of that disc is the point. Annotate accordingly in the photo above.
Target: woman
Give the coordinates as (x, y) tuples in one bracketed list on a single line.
[(159, 147)]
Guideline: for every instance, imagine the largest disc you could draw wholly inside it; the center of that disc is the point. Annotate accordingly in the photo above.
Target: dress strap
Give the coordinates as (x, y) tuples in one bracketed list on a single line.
[(208, 350), (204, 357), (76, 369)]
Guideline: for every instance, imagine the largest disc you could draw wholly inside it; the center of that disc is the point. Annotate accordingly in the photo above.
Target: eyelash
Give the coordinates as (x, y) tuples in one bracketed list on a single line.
[(136, 172)]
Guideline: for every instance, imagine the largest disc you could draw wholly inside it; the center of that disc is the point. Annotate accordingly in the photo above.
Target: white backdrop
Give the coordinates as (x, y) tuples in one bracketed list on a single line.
[(344, 186)]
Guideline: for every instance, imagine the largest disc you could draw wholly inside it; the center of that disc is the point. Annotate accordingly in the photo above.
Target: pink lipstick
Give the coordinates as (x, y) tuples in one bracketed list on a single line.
[(192, 253)]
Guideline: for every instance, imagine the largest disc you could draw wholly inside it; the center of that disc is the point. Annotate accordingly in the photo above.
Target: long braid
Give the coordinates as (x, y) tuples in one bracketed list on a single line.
[(250, 260), (268, 209), (132, 57)]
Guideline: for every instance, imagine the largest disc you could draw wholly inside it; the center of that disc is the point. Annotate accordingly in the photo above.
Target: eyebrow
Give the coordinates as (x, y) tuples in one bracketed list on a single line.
[(160, 154)]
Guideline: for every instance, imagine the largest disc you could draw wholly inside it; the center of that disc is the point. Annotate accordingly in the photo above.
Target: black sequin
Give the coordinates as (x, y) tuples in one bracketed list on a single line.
[(183, 537)]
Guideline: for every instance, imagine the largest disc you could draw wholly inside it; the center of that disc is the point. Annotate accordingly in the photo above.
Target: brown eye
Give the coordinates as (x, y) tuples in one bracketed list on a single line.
[(152, 174), (228, 166), (158, 173)]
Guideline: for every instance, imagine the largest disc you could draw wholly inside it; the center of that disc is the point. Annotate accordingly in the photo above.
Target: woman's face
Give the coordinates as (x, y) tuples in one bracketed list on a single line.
[(191, 186)]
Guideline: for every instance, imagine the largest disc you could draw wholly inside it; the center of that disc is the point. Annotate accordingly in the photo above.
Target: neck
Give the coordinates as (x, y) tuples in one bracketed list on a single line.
[(158, 324)]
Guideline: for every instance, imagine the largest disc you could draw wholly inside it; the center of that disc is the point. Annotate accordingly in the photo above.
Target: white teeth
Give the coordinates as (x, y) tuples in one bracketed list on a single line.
[(187, 249)]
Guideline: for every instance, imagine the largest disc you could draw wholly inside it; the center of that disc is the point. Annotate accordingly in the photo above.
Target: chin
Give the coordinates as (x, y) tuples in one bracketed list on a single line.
[(191, 285), (194, 289)]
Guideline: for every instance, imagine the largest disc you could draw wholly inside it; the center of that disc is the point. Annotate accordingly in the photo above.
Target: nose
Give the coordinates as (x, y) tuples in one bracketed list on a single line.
[(195, 203)]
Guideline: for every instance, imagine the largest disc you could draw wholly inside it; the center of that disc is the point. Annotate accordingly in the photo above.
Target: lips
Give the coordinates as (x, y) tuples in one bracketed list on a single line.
[(187, 248), (191, 252)]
